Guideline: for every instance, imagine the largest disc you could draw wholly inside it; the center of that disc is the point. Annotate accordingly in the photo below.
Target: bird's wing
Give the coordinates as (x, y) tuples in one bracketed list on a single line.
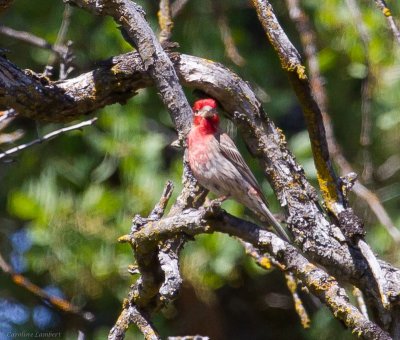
[(230, 151)]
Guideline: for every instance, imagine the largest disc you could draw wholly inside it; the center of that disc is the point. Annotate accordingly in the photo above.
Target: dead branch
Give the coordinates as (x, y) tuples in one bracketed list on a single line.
[(158, 265)]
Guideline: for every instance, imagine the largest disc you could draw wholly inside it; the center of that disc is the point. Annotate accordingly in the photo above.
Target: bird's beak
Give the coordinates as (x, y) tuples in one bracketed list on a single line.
[(207, 112)]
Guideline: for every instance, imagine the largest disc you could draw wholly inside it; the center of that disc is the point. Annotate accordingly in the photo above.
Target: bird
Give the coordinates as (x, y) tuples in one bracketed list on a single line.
[(218, 166)]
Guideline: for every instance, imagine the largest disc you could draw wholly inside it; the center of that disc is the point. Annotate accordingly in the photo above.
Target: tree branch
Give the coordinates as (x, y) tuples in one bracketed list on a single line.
[(47, 137), (132, 314), (158, 265), (367, 89), (155, 60), (32, 39), (381, 4), (291, 64), (207, 220), (165, 20), (264, 261), (231, 50), (177, 6), (160, 68)]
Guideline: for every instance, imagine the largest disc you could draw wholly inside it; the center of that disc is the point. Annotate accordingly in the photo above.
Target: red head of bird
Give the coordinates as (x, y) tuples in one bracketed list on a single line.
[(206, 115)]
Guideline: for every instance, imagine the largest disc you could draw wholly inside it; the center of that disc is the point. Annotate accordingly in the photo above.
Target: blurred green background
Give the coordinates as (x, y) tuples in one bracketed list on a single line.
[(64, 203)]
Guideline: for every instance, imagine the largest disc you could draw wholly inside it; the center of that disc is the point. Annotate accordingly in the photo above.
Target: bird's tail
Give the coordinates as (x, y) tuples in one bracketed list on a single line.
[(272, 220)]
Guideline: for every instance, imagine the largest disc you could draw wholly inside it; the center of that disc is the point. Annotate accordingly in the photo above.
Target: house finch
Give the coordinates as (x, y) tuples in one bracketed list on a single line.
[(219, 167)]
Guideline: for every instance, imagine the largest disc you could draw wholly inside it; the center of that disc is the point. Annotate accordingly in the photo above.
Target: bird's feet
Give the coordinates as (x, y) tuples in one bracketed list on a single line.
[(219, 200), (215, 205)]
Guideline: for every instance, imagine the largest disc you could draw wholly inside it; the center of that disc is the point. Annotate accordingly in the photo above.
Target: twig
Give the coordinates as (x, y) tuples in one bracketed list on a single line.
[(360, 301), (381, 4), (65, 23), (366, 125), (366, 92), (47, 137), (389, 167), (159, 209), (226, 34), (131, 314), (177, 7), (165, 21), (11, 137), (65, 58), (56, 302), (265, 261), (376, 271), (298, 304), (6, 115), (378, 209), (6, 118), (32, 39)]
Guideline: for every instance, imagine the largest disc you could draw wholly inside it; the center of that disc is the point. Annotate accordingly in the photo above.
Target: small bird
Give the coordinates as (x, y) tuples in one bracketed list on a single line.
[(218, 166)]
